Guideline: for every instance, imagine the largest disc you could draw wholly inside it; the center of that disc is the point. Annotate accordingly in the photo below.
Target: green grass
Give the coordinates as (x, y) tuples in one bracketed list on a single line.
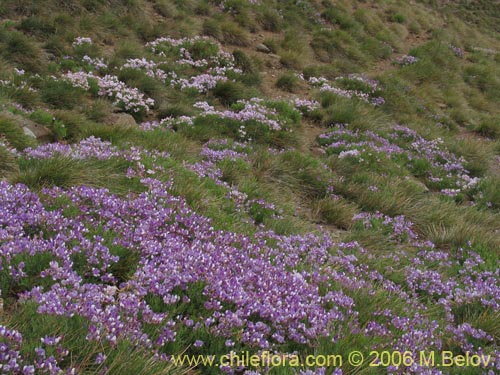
[(66, 172), (61, 94), (8, 162)]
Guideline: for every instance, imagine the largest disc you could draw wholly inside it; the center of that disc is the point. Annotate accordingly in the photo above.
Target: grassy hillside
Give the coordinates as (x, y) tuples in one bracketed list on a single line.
[(199, 177)]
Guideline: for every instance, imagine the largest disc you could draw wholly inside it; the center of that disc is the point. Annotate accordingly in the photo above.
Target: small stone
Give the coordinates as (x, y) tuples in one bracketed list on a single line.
[(262, 48)]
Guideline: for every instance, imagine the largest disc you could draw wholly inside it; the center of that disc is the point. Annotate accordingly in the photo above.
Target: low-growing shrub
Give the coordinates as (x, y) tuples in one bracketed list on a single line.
[(399, 18)]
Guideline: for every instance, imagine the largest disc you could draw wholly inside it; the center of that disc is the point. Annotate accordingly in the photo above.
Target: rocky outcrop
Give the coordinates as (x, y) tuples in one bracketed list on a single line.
[(30, 128)]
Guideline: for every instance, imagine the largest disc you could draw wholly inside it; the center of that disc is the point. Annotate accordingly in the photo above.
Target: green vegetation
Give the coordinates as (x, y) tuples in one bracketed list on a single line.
[(364, 70)]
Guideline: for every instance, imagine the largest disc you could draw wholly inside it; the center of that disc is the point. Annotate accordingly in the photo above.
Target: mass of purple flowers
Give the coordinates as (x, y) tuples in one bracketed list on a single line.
[(443, 169), (369, 92), (264, 292)]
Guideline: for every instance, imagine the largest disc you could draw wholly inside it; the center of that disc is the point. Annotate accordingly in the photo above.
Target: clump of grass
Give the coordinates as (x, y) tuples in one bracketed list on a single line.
[(98, 110), (300, 173), (270, 20), (115, 134), (203, 8), (338, 15), (22, 95), (230, 92), (211, 28), (19, 49), (477, 153), (328, 45), (125, 358), (436, 63), (127, 49), (288, 81), (490, 188), (291, 59), (74, 123), (151, 87), (244, 62), (232, 34), (8, 162), (375, 48), (489, 127), (336, 212), (225, 31), (175, 109), (66, 172), (359, 115), (165, 9), (37, 26), (61, 94)]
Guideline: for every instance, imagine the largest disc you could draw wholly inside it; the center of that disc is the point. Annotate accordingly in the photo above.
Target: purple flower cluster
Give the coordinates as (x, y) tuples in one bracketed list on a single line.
[(201, 83), (16, 85), (306, 105), (445, 170), (344, 93), (13, 362), (206, 72), (254, 109), (218, 150), (367, 95), (97, 63), (128, 98), (166, 123), (406, 60), (150, 67), (400, 229), (81, 40), (87, 148), (457, 50), (371, 83)]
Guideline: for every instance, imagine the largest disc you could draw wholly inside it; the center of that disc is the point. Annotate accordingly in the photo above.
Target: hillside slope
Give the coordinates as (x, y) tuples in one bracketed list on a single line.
[(198, 177)]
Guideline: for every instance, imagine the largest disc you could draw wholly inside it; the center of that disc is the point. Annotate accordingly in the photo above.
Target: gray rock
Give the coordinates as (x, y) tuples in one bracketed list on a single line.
[(30, 128), (120, 119), (262, 48), (29, 133), (41, 132)]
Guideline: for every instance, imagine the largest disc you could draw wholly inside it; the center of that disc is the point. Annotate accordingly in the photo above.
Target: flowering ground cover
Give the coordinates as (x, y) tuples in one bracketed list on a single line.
[(147, 269)]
